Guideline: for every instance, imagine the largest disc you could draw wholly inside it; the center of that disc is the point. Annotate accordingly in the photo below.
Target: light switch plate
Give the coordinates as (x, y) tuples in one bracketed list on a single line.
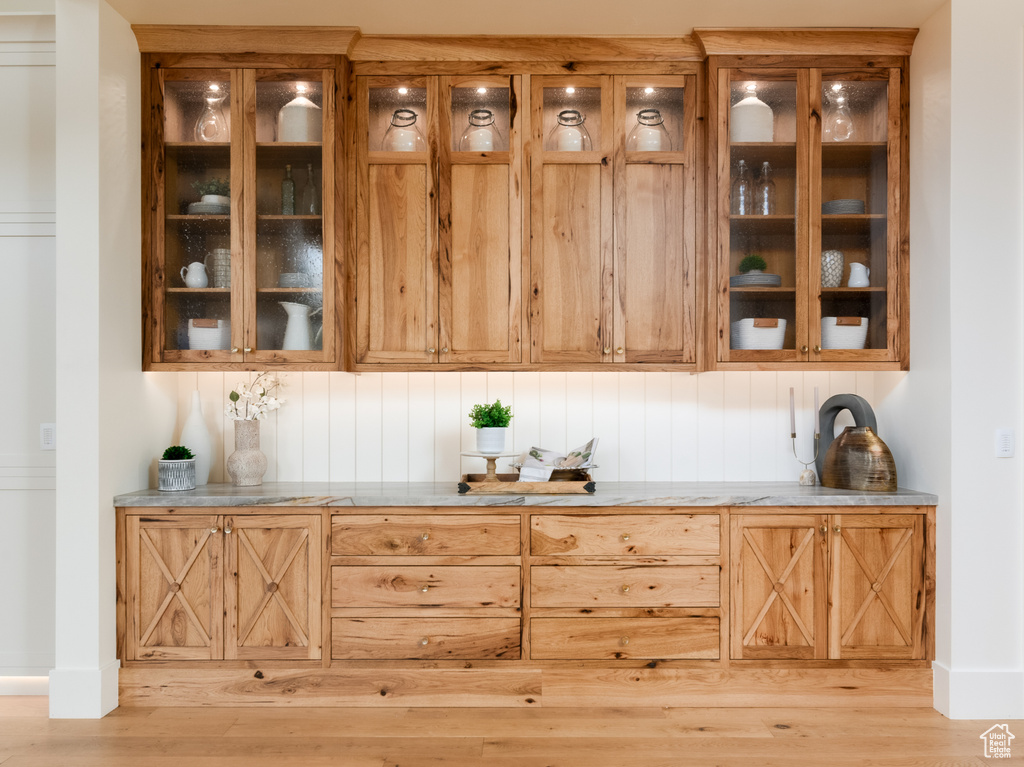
[(47, 436), (1004, 443)]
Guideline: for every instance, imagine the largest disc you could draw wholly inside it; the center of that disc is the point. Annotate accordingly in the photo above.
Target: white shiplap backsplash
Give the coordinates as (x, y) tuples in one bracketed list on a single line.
[(410, 427)]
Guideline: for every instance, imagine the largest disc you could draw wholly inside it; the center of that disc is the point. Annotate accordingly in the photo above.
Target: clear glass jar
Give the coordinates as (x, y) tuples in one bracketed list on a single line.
[(570, 134), (481, 135), (211, 125), (838, 122), (764, 194), (649, 134), (403, 135), (742, 199)]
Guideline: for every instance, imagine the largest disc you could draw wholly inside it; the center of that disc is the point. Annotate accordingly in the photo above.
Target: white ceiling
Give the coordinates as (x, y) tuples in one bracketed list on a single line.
[(526, 17)]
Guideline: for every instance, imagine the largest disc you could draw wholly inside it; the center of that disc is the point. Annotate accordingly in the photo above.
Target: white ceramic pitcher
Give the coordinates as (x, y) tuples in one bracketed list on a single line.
[(859, 276), (194, 275), (296, 332)]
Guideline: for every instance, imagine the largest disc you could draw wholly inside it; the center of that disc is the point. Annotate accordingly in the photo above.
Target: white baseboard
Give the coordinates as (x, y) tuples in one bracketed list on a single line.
[(83, 693), (25, 685), (972, 694)]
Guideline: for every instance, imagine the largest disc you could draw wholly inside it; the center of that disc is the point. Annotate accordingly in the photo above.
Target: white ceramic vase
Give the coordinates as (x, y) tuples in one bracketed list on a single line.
[(196, 437), (831, 268), (247, 465), (490, 439)]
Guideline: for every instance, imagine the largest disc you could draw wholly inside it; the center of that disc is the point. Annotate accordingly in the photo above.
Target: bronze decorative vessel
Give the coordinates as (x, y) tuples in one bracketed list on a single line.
[(859, 460)]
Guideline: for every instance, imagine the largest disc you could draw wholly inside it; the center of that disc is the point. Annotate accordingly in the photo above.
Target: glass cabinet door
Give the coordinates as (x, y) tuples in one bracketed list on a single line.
[(291, 131), (198, 193), (762, 167), (854, 231)]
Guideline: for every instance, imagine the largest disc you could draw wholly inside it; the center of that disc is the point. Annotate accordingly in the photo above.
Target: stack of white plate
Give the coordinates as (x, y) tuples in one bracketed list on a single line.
[(759, 280), (209, 338), (835, 336), (837, 207), (293, 280), (743, 335), (208, 209)]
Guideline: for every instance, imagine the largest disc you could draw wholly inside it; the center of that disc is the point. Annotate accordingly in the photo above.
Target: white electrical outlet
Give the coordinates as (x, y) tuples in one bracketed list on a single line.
[(1004, 443), (47, 436)]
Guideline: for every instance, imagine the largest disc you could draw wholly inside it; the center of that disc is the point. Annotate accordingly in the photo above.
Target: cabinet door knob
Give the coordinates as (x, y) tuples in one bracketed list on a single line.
[(803, 349), (247, 349), (624, 641), (424, 588), (234, 350), (836, 529), (444, 350), (425, 641), (625, 536), (214, 530), (425, 537), (817, 349), (607, 350), (227, 529), (431, 350), (823, 529), (619, 350), (625, 588)]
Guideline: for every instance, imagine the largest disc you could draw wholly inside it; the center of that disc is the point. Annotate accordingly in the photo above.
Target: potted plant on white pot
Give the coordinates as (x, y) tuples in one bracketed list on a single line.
[(177, 469), (216, 191), (491, 422)]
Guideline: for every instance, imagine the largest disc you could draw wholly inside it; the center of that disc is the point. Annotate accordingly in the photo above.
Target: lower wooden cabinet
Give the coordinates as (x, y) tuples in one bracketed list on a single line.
[(212, 587), (624, 638), (425, 638), (828, 586)]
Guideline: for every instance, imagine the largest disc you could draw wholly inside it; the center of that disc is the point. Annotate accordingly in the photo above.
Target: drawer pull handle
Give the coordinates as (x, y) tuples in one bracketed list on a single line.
[(625, 536), (425, 588), (625, 588), (425, 537), (425, 641), (624, 641)]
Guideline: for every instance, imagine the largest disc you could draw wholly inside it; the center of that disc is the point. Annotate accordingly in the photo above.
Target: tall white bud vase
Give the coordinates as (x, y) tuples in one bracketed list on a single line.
[(196, 437)]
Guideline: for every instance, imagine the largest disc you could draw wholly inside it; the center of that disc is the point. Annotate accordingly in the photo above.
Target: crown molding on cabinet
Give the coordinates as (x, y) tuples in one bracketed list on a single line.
[(171, 38), (854, 41), (522, 48)]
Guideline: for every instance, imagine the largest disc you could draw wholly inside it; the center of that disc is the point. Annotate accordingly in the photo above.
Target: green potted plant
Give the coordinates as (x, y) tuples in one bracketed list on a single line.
[(214, 190), (491, 422), (177, 469), (752, 264)]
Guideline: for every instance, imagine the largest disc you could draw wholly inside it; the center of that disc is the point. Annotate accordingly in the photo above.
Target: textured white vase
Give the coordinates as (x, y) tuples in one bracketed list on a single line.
[(247, 465), (196, 437)]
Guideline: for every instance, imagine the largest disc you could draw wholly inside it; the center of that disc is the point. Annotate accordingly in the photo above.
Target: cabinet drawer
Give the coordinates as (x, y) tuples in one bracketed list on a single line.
[(625, 535), (621, 638), (605, 586), (415, 535), (416, 586), (426, 638)]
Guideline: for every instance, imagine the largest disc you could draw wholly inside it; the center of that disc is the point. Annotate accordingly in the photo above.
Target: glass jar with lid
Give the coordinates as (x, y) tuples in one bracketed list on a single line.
[(403, 135), (649, 134), (481, 134), (570, 134)]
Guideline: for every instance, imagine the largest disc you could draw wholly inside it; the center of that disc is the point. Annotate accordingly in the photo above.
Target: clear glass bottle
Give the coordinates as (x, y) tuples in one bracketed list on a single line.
[(211, 125), (649, 134), (287, 193), (838, 122), (309, 196), (764, 194), (481, 135), (403, 135), (742, 199), (570, 134)]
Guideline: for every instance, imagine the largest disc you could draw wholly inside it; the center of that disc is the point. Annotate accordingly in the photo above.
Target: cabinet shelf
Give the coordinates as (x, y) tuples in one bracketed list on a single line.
[(777, 153), (755, 292), (850, 223), (201, 291), (775, 224), (853, 154), (293, 291), (849, 291)]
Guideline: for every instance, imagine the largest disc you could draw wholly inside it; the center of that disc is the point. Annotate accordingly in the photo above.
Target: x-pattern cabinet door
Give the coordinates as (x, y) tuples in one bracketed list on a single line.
[(272, 590), (174, 588), (877, 586), (778, 581)]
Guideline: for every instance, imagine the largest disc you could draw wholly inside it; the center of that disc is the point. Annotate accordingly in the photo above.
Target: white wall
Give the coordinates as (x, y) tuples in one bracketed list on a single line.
[(966, 377), (112, 417), (27, 263), (400, 427)]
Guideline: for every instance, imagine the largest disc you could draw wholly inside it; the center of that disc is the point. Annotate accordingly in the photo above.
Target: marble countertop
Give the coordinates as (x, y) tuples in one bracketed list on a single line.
[(446, 494)]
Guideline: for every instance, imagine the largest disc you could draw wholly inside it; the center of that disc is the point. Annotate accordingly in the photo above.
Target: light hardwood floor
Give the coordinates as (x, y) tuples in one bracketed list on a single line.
[(601, 737)]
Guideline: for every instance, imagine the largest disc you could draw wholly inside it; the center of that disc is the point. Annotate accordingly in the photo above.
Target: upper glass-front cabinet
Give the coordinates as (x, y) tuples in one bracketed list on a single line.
[(239, 211), (809, 220)]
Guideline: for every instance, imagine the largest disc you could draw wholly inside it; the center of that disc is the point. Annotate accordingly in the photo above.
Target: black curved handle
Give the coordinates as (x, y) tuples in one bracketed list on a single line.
[(862, 414)]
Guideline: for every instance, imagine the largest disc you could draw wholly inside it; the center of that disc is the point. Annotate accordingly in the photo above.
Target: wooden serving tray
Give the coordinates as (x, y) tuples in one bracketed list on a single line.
[(509, 484)]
